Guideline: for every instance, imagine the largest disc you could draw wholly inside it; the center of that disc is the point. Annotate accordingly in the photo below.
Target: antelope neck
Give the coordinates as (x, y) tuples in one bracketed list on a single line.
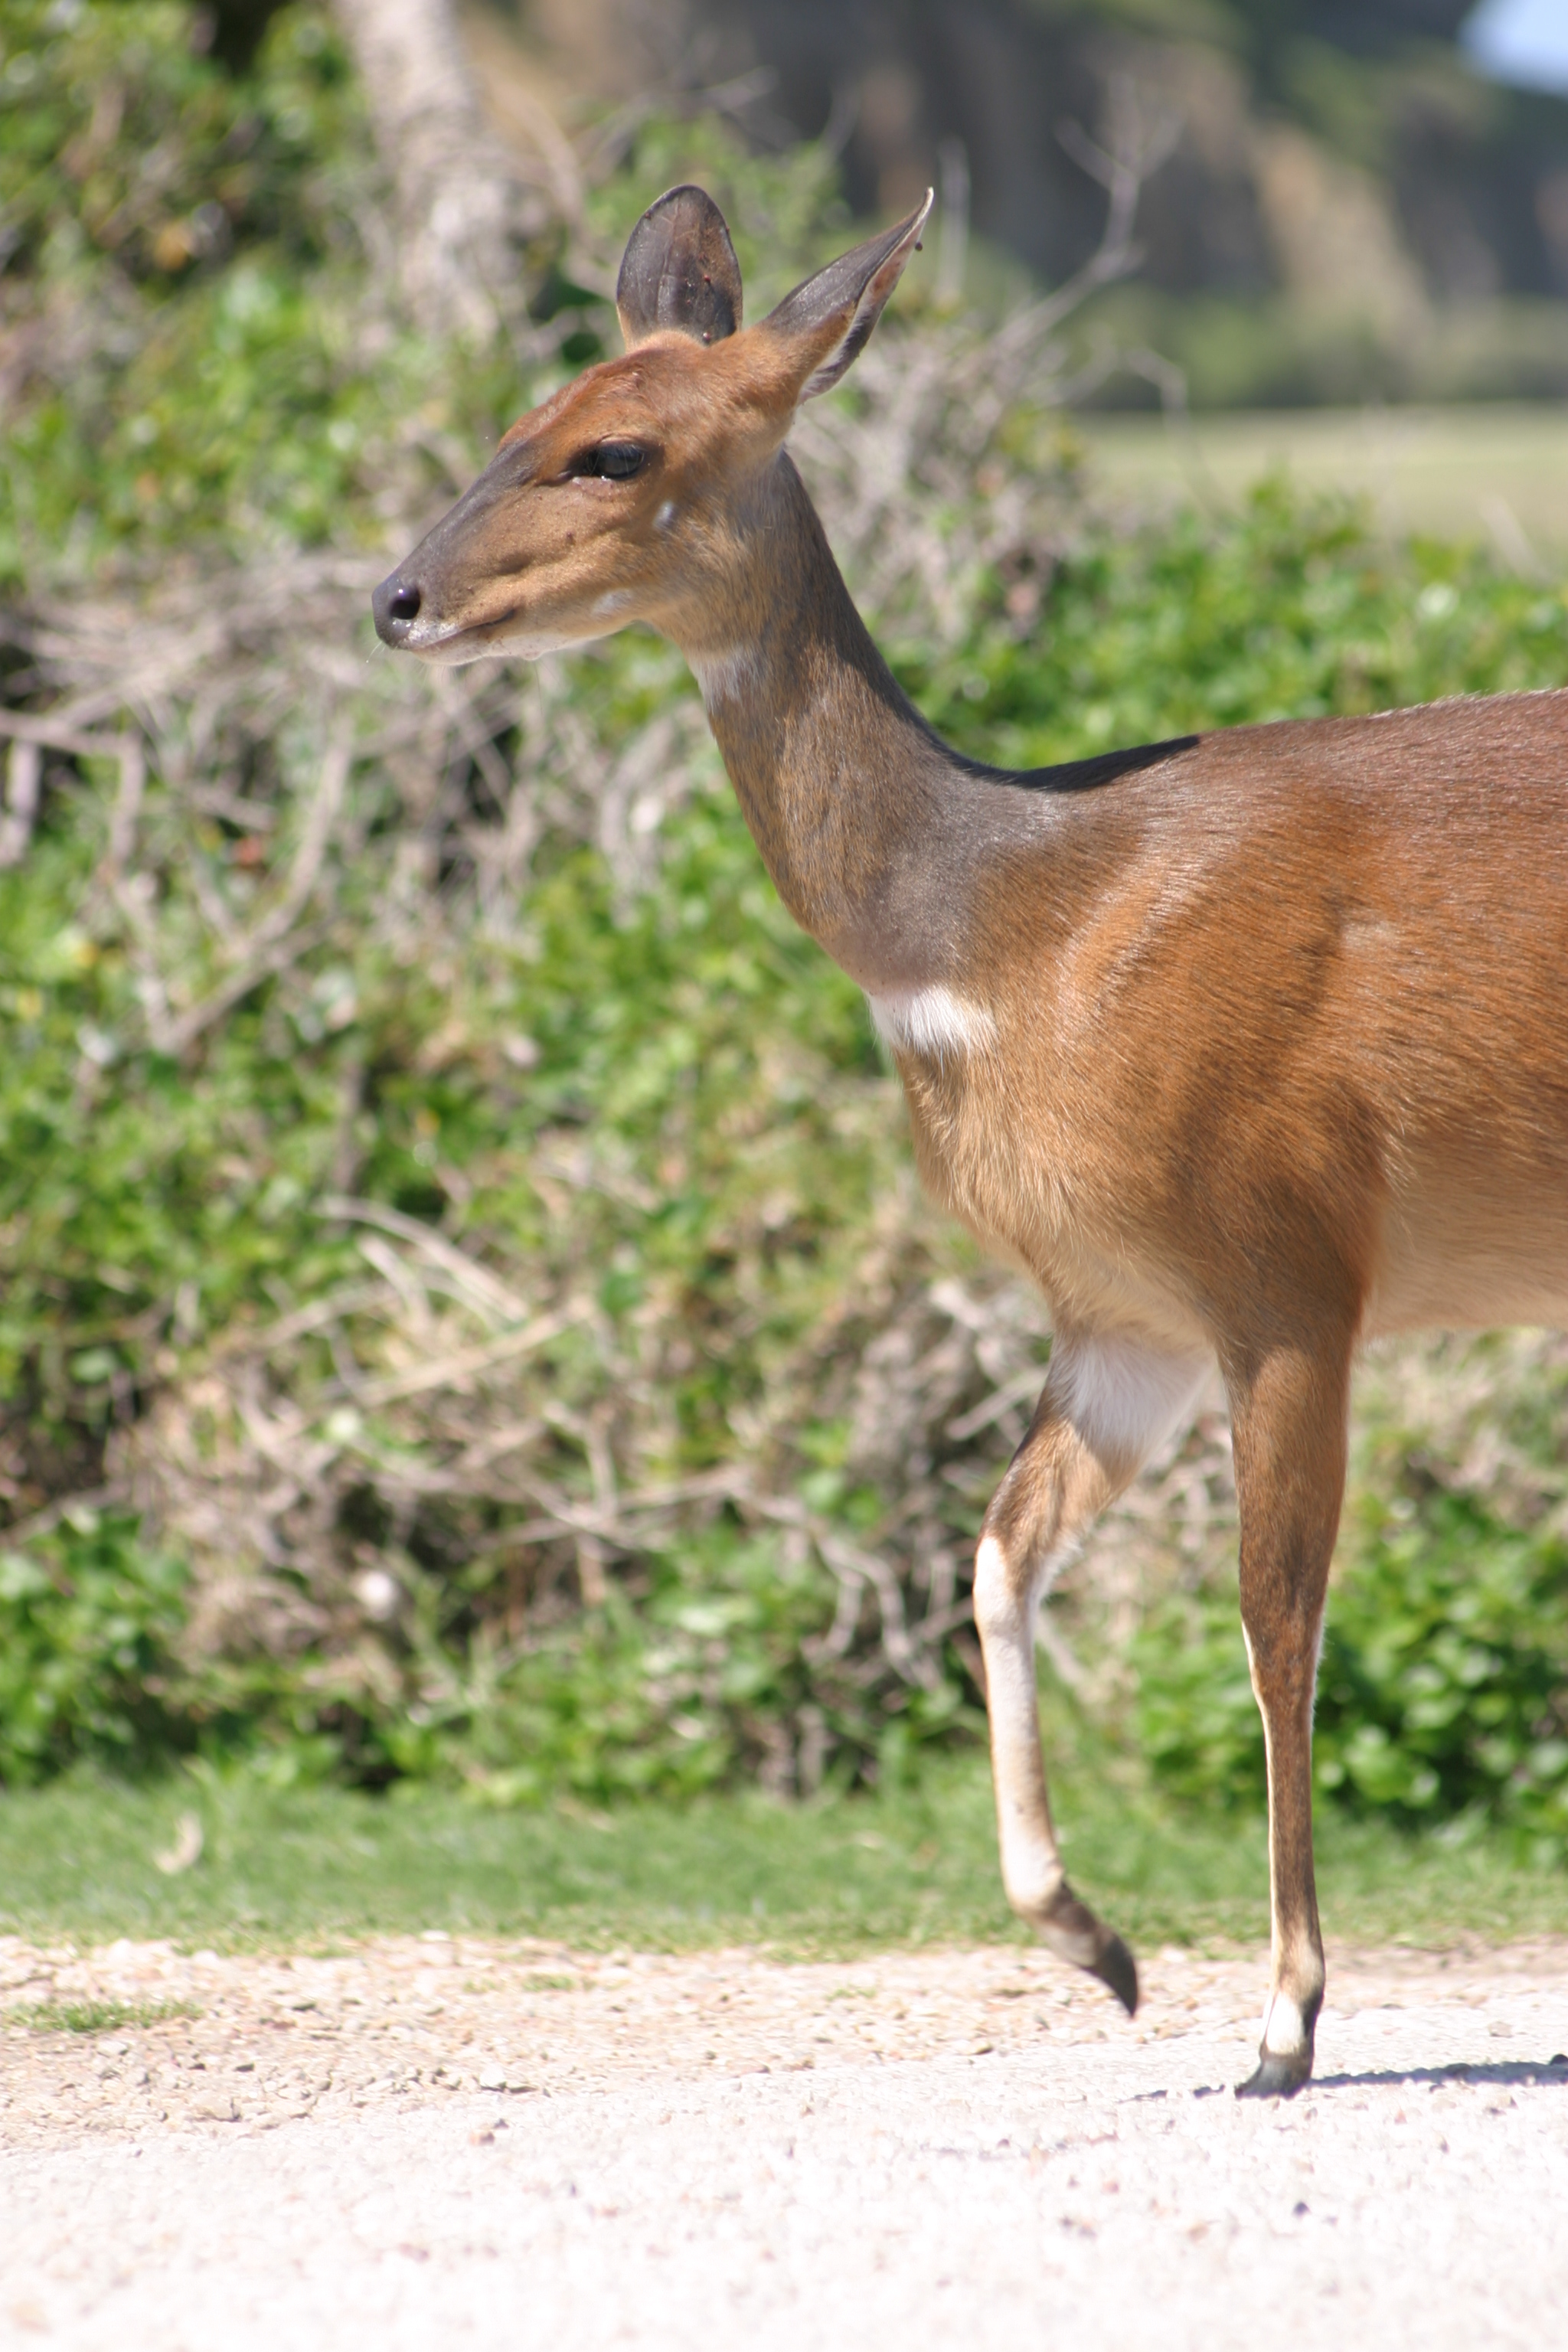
[(872, 830)]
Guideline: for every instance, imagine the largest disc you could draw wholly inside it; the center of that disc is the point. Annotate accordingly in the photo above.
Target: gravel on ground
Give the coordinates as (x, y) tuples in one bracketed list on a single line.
[(448, 2139)]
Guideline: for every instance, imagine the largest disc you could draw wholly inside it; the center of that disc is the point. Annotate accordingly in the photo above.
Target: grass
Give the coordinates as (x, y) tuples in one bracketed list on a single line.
[(96, 2016), (1436, 471), (322, 1867)]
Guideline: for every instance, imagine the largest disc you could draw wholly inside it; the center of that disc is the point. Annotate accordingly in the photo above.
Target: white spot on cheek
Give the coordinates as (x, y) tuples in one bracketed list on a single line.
[(723, 674), (932, 1022), (664, 518), (615, 602)]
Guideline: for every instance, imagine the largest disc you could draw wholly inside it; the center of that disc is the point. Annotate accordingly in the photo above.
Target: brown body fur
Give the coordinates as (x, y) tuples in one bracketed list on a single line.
[(1324, 965), (1243, 1056)]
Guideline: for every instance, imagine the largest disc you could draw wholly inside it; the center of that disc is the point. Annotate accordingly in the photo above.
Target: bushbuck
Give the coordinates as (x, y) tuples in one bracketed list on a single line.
[(1246, 1045)]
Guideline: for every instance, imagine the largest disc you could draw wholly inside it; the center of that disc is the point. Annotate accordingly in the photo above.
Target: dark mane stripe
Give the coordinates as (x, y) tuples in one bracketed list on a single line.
[(1088, 775)]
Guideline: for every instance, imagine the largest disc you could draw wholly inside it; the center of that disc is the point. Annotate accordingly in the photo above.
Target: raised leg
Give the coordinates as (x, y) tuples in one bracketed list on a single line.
[(1289, 1420), (1108, 1400)]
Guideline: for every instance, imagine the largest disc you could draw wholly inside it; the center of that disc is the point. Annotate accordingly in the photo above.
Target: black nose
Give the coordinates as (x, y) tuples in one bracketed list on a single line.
[(396, 605)]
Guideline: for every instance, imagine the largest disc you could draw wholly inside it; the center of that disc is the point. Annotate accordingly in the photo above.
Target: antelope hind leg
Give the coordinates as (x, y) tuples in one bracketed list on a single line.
[(1289, 1422), (1108, 1400)]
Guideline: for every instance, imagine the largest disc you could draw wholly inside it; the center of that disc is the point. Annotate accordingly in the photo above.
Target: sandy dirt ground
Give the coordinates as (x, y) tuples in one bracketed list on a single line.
[(443, 2141)]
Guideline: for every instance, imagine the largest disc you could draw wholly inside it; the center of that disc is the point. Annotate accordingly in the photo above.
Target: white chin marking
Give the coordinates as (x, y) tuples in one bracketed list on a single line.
[(931, 1021), (724, 675), (457, 652), (526, 645)]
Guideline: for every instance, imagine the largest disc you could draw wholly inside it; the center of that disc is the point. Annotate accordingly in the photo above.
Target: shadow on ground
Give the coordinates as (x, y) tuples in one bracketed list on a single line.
[(1504, 2072)]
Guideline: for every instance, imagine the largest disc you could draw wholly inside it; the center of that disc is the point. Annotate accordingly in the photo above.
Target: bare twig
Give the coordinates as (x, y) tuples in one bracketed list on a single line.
[(465, 1364), (27, 727), (127, 804), (476, 1284), (179, 1035), (54, 1515), (24, 774), (320, 815)]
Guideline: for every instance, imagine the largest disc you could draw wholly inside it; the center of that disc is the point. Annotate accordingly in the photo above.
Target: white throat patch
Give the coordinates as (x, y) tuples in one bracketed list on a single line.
[(931, 1021), (724, 674)]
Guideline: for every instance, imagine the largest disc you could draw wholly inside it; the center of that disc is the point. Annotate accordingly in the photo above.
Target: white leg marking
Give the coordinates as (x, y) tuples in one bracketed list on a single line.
[(1122, 1394), (1284, 2027), (933, 1022), (1031, 1868)]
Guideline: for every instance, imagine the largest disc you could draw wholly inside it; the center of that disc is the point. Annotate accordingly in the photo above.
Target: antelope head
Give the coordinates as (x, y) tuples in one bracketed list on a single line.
[(625, 498)]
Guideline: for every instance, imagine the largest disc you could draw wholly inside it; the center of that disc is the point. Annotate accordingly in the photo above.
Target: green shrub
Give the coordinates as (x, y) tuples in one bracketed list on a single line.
[(201, 228), (1291, 608), (739, 1225), (90, 1618), (1444, 1684), (1196, 1719), (639, 1094), (235, 371), (1442, 1691)]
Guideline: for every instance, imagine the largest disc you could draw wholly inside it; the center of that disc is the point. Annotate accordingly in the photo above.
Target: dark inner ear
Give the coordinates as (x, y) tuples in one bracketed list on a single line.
[(679, 270), (850, 295)]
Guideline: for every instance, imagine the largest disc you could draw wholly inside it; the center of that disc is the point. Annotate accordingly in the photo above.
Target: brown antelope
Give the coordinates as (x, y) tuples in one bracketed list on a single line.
[(1246, 1045)]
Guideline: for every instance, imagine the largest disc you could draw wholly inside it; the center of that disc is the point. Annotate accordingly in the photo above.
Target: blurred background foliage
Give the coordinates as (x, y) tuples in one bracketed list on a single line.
[(1349, 210), (467, 1313)]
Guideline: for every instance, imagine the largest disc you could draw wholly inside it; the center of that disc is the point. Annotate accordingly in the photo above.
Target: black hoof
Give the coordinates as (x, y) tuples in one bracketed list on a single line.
[(1071, 1929), (1276, 2078), (1117, 1968)]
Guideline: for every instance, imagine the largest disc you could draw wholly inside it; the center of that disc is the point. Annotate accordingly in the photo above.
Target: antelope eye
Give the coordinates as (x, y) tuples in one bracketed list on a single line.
[(615, 461)]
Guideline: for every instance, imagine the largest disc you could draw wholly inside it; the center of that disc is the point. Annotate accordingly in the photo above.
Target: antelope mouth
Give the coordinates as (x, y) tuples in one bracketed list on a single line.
[(453, 642), (402, 622)]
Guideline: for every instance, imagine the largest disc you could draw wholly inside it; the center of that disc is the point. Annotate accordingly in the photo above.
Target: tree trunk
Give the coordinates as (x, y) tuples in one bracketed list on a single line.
[(462, 211)]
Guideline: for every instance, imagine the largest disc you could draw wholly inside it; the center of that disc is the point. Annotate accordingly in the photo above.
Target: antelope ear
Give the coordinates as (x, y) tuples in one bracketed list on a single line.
[(830, 318), (679, 271)]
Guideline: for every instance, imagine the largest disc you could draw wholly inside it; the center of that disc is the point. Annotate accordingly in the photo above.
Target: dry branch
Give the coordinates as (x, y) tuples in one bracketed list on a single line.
[(462, 208)]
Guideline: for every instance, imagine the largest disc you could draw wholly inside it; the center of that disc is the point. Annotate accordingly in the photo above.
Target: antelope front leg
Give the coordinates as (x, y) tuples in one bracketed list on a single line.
[(1108, 1402), (1288, 1424)]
